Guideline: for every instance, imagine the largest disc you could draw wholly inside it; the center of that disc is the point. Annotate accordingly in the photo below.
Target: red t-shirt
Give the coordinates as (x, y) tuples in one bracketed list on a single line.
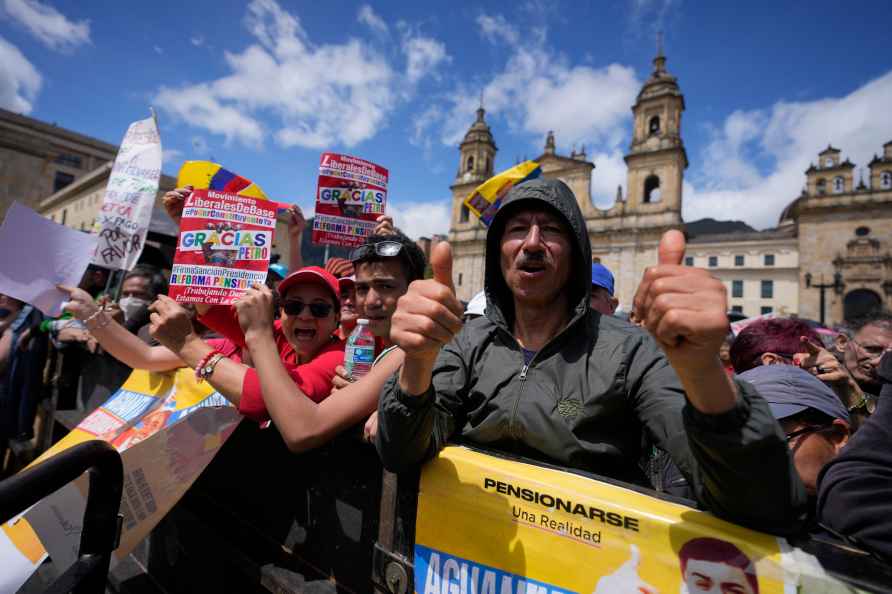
[(312, 378)]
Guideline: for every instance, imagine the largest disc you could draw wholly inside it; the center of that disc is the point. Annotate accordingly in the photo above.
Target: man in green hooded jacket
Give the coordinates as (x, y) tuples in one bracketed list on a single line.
[(543, 376)]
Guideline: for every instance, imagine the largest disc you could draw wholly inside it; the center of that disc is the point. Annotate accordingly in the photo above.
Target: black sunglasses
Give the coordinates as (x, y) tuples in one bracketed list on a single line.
[(317, 310), (806, 430), (385, 249)]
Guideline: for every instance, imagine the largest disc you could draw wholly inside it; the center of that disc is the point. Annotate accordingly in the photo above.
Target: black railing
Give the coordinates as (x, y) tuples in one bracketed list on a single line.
[(101, 526)]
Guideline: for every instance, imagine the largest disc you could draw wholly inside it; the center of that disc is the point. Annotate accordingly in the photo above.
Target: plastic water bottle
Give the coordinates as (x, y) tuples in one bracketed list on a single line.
[(360, 352)]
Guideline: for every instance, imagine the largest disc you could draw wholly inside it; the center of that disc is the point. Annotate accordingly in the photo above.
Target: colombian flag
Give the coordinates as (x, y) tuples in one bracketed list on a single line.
[(486, 199), (206, 175)]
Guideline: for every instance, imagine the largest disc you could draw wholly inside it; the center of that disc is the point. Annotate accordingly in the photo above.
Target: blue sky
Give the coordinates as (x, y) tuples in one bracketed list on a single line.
[(265, 86)]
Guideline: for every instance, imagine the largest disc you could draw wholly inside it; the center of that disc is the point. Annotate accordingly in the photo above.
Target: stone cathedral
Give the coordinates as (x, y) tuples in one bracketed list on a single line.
[(625, 236)]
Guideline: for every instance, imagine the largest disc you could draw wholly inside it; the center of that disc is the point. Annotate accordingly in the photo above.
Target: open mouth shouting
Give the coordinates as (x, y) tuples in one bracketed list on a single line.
[(304, 335)]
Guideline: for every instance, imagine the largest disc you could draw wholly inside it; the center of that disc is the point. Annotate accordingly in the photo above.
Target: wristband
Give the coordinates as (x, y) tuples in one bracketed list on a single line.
[(206, 366)]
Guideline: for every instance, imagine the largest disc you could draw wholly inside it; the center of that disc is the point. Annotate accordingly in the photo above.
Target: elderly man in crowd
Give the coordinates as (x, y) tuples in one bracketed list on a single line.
[(543, 376), (861, 348)]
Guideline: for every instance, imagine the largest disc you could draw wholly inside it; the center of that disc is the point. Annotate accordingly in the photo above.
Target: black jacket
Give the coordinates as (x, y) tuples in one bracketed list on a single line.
[(855, 489), (586, 397)]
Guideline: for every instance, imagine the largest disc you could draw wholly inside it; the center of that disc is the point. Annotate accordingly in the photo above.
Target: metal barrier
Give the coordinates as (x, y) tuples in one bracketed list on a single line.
[(102, 523)]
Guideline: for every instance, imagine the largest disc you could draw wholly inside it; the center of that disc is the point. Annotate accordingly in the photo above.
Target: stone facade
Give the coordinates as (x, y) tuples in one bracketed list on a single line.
[(38, 159), (845, 233)]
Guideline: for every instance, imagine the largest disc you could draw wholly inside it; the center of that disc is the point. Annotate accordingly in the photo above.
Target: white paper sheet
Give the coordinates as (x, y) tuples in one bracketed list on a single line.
[(37, 254)]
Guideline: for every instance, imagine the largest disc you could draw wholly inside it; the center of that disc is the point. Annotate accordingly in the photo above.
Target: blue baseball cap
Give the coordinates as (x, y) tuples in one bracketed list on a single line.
[(601, 277), (790, 390)]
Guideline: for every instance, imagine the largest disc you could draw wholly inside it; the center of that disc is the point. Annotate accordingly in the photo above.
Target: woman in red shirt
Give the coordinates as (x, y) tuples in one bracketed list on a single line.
[(304, 341)]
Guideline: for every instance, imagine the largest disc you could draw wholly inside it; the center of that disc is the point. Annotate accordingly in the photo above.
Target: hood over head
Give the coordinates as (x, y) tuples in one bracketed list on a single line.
[(554, 195)]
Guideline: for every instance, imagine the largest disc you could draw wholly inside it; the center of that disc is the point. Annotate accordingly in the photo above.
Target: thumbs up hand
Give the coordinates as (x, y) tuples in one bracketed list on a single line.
[(684, 308), (429, 314)]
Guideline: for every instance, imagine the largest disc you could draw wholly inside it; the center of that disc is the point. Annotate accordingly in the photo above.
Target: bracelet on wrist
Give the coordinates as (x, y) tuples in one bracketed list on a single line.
[(100, 322), (206, 366)]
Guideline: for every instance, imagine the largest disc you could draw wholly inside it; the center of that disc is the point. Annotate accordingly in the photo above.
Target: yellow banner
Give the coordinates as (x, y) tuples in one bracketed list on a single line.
[(490, 525)]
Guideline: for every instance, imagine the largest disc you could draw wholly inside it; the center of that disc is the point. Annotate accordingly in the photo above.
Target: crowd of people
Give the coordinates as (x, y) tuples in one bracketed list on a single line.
[(773, 428)]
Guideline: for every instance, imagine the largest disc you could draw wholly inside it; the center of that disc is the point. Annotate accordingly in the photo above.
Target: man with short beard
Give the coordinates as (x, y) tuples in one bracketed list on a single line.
[(545, 377)]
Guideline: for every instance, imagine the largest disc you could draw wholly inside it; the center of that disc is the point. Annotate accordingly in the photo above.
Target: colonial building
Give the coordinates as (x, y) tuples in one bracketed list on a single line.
[(760, 269), (836, 233), (624, 237), (38, 159), (845, 237)]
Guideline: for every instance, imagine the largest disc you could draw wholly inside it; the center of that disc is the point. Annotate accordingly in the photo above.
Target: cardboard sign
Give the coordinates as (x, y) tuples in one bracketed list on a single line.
[(486, 199), (123, 219), (350, 195), (167, 428), (224, 247)]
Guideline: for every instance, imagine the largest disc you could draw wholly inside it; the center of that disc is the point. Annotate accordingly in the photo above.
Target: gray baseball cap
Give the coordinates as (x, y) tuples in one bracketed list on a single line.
[(790, 390)]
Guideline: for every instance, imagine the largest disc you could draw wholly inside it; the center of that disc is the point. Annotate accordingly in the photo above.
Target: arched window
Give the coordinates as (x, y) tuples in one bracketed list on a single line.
[(822, 186), (651, 189), (470, 163), (861, 302), (838, 185), (464, 215), (653, 127), (886, 180)]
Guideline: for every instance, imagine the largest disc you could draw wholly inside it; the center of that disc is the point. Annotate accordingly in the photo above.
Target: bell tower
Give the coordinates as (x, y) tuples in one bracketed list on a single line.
[(657, 158), (477, 155)]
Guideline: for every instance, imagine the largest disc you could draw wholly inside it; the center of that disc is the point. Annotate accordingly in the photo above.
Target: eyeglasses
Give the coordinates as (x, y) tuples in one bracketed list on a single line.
[(386, 249), (874, 350), (807, 430), (317, 310)]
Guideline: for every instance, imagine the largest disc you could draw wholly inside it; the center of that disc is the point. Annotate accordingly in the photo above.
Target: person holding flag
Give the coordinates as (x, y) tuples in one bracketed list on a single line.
[(544, 376)]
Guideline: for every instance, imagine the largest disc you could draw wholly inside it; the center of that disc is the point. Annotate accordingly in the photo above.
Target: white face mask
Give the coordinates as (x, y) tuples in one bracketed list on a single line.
[(131, 306)]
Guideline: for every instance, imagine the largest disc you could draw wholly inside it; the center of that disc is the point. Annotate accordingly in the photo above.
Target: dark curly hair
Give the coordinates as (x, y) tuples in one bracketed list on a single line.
[(410, 256)]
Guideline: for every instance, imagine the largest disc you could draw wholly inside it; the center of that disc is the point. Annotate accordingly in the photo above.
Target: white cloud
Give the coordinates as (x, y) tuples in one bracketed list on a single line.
[(318, 95), (368, 17), (422, 219), (423, 55), (315, 95), (48, 25), (19, 80), (787, 136), (171, 155), (199, 106), (538, 90), (197, 40), (158, 49), (497, 28)]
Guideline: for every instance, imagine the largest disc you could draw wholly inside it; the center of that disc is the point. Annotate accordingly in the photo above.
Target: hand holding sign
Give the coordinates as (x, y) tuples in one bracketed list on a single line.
[(429, 314), (174, 201), (684, 308)]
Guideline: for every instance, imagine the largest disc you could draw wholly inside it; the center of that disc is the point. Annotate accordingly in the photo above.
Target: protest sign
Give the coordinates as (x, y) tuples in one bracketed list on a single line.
[(123, 219), (486, 199), (166, 426), (350, 195), (548, 531), (37, 254), (207, 175), (223, 248)]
